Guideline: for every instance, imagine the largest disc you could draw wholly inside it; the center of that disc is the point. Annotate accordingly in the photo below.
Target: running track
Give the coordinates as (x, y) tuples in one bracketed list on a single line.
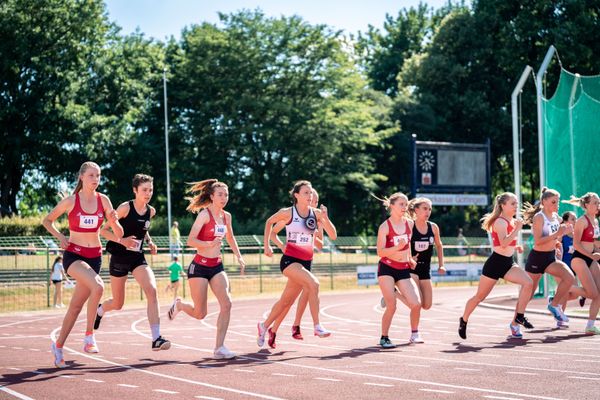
[(547, 364)]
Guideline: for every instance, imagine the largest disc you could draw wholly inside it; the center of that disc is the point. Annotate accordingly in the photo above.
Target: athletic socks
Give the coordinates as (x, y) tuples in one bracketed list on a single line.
[(155, 328)]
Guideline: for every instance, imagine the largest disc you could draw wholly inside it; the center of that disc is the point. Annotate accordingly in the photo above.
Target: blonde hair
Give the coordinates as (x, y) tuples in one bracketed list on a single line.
[(487, 222), (581, 201), (82, 169), (530, 210), (201, 192), (388, 201), (416, 203), (297, 187)]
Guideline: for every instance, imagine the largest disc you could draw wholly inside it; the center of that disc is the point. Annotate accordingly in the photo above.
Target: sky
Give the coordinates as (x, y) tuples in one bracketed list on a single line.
[(162, 19)]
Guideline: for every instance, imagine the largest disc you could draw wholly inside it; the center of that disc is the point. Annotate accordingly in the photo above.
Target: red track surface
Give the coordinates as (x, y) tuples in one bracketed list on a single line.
[(546, 364)]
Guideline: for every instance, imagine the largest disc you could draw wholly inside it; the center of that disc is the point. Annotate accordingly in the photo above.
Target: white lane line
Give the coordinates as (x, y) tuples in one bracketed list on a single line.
[(589, 361), (30, 320), (126, 385), (328, 379), (280, 374), (244, 370), (584, 377), (378, 384), (15, 369), (208, 398), (34, 349), (502, 398), (13, 393), (488, 355), (436, 391), (165, 391), (418, 365), (120, 358), (17, 348), (537, 358), (521, 373), (65, 376), (466, 369), (373, 362), (95, 380), (176, 378)]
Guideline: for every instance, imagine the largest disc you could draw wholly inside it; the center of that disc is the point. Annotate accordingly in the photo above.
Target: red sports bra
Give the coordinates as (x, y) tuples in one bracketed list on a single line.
[(589, 233), (389, 238), (211, 229), (509, 229), (81, 221)]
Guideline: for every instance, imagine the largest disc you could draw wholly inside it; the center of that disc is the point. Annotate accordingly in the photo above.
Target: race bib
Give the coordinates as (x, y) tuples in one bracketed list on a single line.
[(304, 239), (554, 227), (220, 230), (136, 247), (421, 246), (398, 238), (571, 249), (596, 232), (88, 221)]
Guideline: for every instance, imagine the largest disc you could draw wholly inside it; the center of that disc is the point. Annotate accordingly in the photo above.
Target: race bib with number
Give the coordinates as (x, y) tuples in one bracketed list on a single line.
[(554, 227), (88, 221), (400, 237), (421, 246), (304, 239), (220, 230), (596, 232), (136, 247)]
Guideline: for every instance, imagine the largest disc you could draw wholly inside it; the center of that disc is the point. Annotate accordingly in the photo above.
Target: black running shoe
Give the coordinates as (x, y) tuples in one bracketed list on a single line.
[(523, 321), (581, 301), (161, 344), (462, 328), (97, 321)]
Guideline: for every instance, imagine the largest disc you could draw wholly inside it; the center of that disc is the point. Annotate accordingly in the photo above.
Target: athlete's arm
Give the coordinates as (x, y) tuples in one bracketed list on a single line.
[(63, 206), (274, 238), (193, 240), (319, 237), (233, 243), (323, 218), (580, 226), (536, 228), (282, 215), (112, 217), (439, 247), (151, 245)]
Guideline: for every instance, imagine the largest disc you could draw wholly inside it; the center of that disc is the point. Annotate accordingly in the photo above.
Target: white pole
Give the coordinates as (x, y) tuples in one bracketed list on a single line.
[(167, 158), (538, 84), (516, 148), (571, 144)]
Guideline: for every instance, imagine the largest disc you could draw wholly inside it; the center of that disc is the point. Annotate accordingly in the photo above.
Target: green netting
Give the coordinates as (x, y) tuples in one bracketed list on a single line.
[(572, 135)]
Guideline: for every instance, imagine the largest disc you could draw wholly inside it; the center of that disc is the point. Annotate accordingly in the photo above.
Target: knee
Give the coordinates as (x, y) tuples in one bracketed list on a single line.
[(426, 305), (313, 286), (118, 304), (97, 290), (151, 294), (414, 306), (226, 306), (199, 314), (527, 284)]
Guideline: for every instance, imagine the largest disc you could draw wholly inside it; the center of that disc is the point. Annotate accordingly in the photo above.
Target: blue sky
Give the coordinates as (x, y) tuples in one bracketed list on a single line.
[(164, 18)]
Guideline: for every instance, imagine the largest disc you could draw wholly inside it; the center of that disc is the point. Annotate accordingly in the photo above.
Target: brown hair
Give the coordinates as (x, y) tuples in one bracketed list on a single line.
[(487, 222), (388, 201), (581, 201), (566, 215), (82, 169), (416, 203), (201, 192), (296, 189), (530, 210), (138, 179)]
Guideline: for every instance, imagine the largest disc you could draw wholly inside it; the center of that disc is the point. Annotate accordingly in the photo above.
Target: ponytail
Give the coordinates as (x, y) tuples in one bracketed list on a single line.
[(388, 201), (581, 201), (201, 192), (488, 220)]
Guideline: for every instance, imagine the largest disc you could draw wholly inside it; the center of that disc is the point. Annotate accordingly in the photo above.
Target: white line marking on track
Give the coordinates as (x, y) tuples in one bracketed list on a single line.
[(436, 391), (120, 358), (34, 349), (328, 379), (590, 361), (418, 365), (373, 362), (280, 374), (65, 376), (15, 369), (521, 373), (584, 377), (208, 398), (16, 394), (30, 320), (378, 384), (536, 358), (466, 369), (165, 391), (502, 398), (95, 380), (17, 348), (244, 370), (126, 385)]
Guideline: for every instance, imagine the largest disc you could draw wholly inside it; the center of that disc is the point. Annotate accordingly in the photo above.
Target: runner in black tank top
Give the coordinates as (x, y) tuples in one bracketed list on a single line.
[(127, 255)]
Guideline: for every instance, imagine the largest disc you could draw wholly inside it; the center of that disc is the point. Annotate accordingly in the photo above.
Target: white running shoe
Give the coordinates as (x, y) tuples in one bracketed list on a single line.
[(321, 332), (173, 311), (224, 353), (89, 344), (563, 315), (59, 361), (416, 338), (260, 339), (561, 324)]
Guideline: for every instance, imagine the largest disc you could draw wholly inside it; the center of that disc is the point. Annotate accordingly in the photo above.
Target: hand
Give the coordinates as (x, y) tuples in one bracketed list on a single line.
[(412, 262), (268, 251), (130, 242), (441, 270), (558, 254), (595, 256), (519, 249), (153, 248), (112, 215), (64, 242), (403, 241), (324, 211), (518, 224), (217, 241), (242, 264)]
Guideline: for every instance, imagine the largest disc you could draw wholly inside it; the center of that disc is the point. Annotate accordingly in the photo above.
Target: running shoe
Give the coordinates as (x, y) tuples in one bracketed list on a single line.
[(223, 353), (581, 301), (562, 313), (415, 338), (161, 344), (592, 330), (89, 344), (98, 319), (173, 311), (382, 302), (523, 321), (462, 328), (561, 324), (296, 333), (59, 361), (555, 312), (260, 339), (515, 331), (386, 343), (321, 332), (271, 341)]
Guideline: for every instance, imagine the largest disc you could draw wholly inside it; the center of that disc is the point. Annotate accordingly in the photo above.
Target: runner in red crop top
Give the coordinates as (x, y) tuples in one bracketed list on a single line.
[(206, 270), (509, 229), (82, 257)]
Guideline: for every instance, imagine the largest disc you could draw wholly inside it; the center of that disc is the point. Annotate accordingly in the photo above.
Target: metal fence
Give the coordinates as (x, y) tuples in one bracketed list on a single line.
[(26, 264)]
